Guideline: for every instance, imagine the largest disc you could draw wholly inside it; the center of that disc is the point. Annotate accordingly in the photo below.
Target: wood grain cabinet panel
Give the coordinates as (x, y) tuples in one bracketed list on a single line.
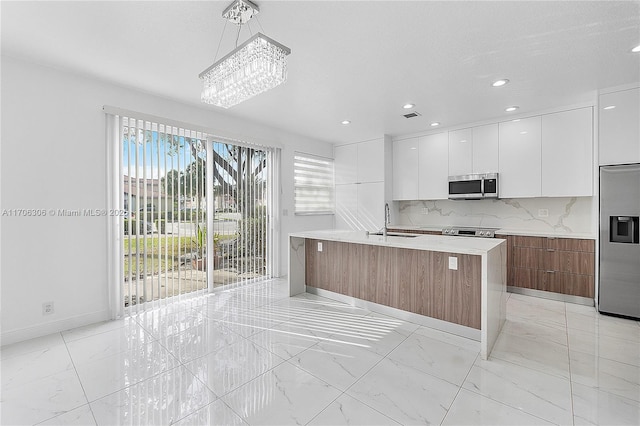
[(571, 244), (524, 241), (417, 281), (353, 256), (559, 265), (462, 291), (407, 280), (383, 275), (432, 280)]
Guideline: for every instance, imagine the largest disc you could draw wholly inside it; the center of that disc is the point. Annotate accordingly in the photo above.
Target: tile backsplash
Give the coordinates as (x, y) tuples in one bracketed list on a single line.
[(564, 215)]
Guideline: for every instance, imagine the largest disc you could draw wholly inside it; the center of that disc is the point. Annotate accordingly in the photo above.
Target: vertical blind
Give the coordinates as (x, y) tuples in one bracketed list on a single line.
[(164, 187), (313, 184), (196, 211)]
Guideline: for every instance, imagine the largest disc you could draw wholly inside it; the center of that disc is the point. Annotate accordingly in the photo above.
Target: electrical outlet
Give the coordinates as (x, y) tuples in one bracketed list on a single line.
[(47, 308), (319, 246), (453, 263), (543, 212), (425, 210)]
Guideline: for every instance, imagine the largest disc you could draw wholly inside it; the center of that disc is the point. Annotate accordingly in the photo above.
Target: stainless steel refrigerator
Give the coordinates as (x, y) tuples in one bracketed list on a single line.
[(619, 292)]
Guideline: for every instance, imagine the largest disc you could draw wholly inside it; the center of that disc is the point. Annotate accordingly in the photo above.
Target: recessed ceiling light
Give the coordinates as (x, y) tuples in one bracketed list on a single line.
[(636, 49), (408, 106), (517, 119), (500, 83), (609, 107), (434, 124), (413, 147), (345, 122), (511, 108), (524, 132)]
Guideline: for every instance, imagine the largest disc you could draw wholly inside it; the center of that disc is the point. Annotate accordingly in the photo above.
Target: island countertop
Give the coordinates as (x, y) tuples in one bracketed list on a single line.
[(444, 243)]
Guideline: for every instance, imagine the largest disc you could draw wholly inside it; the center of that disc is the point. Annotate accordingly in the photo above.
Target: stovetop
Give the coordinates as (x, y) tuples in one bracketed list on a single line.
[(463, 231)]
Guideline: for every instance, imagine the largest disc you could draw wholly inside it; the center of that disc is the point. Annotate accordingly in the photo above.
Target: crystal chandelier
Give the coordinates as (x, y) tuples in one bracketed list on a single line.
[(257, 65)]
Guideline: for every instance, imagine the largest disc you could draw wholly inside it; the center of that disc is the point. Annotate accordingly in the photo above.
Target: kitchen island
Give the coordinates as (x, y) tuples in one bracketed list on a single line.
[(454, 284)]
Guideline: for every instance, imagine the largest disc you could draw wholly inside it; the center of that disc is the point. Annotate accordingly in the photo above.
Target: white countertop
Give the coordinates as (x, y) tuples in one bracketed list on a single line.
[(444, 243), (507, 231)]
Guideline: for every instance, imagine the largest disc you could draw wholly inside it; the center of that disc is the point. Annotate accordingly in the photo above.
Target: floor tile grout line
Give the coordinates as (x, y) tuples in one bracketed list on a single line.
[(80, 381), (508, 405), (460, 388), (573, 417)]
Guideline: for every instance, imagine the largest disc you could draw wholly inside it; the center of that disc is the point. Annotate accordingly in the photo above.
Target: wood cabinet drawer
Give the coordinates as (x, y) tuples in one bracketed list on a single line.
[(529, 257), (571, 244), (524, 241), (578, 285)]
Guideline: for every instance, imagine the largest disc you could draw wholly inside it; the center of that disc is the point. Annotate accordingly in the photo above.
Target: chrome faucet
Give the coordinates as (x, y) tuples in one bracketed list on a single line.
[(387, 218)]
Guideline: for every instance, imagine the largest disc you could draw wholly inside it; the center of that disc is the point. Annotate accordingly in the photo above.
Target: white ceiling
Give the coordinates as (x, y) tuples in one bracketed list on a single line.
[(355, 60)]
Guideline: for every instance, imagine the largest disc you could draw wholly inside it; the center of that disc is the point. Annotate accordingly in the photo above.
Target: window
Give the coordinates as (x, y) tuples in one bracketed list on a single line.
[(314, 184)]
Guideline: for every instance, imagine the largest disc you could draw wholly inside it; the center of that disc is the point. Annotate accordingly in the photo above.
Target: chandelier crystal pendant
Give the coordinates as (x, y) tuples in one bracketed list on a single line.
[(257, 65)]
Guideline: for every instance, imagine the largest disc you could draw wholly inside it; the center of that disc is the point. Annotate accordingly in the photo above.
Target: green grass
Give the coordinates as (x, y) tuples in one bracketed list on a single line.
[(163, 254)]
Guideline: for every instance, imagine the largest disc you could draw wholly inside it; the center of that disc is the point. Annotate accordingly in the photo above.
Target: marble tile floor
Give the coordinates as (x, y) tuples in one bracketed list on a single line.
[(255, 356)]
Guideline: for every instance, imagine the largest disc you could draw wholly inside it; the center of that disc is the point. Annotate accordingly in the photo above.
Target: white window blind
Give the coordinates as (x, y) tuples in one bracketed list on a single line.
[(314, 184)]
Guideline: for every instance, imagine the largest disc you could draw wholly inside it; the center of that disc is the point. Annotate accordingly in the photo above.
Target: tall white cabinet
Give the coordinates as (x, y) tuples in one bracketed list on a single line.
[(519, 158), (405, 169), (363, 183), (567, 153), (619, 119), (433, 173)]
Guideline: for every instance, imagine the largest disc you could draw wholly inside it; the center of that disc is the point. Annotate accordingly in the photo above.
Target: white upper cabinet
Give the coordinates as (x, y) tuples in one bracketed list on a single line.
[(520, 158), (620, 127), (473, 150), (363, 173), (567, 153), (485, 149), (461, 152), (370, 161), (433, 167), (405, 169), (345, 160)]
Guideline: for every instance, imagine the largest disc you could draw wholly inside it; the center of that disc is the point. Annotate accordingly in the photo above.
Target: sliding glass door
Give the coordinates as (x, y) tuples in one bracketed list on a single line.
[(196, 211)]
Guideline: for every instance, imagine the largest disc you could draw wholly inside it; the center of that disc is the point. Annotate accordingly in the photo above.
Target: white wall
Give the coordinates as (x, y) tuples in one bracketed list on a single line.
[(54, 156)]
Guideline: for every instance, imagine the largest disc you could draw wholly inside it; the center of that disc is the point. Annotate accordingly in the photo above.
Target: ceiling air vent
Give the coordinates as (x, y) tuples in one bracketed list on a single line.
[(411, 114)]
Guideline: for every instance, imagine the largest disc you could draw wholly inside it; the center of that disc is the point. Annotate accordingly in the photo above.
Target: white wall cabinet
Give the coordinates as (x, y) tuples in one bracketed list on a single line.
[(370, 161), (461, 152), (363, 171), (345, 158), (619, 127), (405, 169), (567, 153), (485, 149), (433, 163), (473, 150), (520, 158)]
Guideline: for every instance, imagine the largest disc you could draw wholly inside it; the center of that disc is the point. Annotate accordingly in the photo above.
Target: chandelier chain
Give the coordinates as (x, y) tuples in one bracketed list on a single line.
[(238, 35), (258, 21), (220, 42)]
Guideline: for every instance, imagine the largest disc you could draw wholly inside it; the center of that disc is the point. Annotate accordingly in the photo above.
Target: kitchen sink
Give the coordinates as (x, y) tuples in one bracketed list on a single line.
[(394, 234)]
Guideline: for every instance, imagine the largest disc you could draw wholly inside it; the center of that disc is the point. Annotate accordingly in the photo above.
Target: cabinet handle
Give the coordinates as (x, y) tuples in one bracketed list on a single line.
[(551, 272), (551, 249)]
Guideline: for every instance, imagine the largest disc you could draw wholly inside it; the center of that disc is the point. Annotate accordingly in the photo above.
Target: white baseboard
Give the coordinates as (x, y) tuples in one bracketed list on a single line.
[(21, 334)]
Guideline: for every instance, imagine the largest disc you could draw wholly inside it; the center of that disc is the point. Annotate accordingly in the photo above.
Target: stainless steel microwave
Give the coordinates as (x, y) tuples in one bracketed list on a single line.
[(476, 186)]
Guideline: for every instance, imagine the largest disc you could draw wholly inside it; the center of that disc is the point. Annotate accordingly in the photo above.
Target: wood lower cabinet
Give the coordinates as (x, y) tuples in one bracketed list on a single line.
[(417, 281), (558, 265)]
